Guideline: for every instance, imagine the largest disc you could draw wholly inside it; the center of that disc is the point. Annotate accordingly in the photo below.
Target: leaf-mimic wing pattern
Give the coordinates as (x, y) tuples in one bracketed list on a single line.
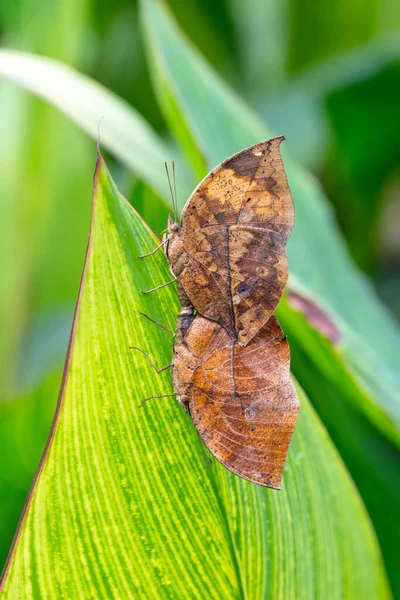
[(241, 399), (232, 261)]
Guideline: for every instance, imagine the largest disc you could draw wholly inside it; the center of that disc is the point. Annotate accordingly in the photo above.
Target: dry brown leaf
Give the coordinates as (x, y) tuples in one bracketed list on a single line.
[(241, 399), (229, 252)]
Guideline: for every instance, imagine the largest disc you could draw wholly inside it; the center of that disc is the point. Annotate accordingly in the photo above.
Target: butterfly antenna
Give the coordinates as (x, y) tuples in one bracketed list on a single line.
[(170, 186), (175, 194)]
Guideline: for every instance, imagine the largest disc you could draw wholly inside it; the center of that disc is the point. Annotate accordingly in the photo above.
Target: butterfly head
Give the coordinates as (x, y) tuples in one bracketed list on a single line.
[(173, 226), (176, 255)]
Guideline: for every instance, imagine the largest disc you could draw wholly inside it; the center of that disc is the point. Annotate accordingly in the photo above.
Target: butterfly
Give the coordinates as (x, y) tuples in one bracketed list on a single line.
[(241, 399), (231, 365), (228, 253)]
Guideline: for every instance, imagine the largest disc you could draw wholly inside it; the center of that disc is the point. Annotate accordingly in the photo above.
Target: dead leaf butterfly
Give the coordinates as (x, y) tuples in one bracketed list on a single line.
[(231, 366), (228, 253), (241, 399)]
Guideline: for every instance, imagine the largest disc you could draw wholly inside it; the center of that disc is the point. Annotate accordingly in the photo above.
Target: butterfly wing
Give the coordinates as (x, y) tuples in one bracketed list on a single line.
[(234, 230), (242, 400)]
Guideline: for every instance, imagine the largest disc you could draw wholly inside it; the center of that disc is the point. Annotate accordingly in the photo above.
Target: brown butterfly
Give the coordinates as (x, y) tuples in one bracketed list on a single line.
[(241, 399), (228, 253), (231, 366)]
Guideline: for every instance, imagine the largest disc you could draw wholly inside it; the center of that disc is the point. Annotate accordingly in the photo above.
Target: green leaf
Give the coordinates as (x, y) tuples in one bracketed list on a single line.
[(123, 505), (97, 111), (297, 106), (352, 25), (45, 163), (195, 99), (24, 428), (373, 462), (36, 222), (356, 178), (226, 126)]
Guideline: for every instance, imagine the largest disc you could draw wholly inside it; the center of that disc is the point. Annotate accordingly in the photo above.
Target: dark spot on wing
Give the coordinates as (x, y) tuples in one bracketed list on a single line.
[(249, 412), (271, 184), (243, 289), (244, 165)]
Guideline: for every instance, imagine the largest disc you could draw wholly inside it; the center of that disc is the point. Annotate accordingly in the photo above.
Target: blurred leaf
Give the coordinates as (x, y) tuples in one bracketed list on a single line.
[(45, 27), (262, 36), (38, 208), (24, 428), (125, 490), (150, 207), (320, 268), (44, 348), (329, 31), (356, 177), (99, 112), (372, 461), (297, 106), (117, 60), (43, 223), (208, 24)]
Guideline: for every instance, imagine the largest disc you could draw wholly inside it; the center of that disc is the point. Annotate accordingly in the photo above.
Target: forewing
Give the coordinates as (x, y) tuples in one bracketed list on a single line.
[(206, 278), (258, 276), (243, 402), (234, 229)]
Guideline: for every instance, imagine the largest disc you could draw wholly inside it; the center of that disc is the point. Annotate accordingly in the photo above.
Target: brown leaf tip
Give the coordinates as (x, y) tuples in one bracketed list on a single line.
[(316, 316)]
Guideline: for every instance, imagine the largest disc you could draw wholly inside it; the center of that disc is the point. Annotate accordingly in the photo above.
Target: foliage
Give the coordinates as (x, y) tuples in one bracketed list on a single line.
[(126, 490)]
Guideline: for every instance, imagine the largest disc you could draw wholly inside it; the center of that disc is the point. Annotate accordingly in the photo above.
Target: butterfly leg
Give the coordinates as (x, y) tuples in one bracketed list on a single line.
[(152, 397), (158, 324), (160, 286), (155, 249), (150, 361)]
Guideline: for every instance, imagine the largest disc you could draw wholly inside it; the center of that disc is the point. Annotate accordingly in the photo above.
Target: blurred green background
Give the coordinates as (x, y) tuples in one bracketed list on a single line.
[(327, 77)]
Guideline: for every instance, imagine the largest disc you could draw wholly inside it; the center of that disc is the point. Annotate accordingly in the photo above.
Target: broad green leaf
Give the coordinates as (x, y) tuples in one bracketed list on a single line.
[(123, 505), (195, 99), (45, 165), (371, 459)]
